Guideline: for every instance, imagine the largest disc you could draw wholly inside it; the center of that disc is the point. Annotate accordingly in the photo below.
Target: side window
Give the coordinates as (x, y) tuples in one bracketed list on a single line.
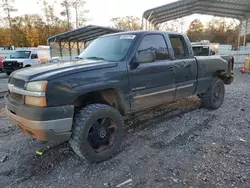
[(156, 44), (178, 45), (34, 56)]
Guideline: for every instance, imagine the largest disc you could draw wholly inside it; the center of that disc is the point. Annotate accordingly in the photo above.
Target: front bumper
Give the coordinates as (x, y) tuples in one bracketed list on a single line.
[(9, 69), (46, 124), (11, 66)]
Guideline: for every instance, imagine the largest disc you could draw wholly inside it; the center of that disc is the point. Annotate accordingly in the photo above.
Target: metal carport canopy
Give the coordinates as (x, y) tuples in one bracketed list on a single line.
[(67, 40), (238, 9), (83, 34)]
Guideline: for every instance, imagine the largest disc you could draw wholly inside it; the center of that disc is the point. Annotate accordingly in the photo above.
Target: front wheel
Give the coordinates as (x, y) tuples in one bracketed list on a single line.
[(98, 130), (214, 97)]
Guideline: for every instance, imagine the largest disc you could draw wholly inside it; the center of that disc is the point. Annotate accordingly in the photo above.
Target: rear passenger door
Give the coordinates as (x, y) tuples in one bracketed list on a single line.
[(152, 83), (185, 67)]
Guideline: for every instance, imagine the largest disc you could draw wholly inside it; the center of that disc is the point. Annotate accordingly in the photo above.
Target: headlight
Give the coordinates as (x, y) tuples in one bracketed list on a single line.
[(39, 86), (36, 97)]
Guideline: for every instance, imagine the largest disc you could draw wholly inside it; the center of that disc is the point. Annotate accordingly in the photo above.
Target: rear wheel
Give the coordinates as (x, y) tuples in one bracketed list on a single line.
[(98, 131), (214, 97)]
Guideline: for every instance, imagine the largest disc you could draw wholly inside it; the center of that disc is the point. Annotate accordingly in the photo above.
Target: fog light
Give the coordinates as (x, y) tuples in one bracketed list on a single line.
[(35, 101)]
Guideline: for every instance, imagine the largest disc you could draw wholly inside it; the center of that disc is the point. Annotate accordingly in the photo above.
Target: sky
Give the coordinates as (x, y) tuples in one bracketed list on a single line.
[(101, 11)]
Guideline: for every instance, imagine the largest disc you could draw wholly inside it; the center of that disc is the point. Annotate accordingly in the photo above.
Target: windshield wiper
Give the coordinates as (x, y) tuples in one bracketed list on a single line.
[(95, 58)]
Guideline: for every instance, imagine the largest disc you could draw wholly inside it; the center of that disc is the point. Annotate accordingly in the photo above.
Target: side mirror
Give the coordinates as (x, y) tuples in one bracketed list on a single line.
[(142, 57), (213, 52), (145, 57)]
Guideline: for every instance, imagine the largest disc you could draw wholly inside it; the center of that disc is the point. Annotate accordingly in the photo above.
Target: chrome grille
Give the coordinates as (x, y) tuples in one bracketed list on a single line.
[(17, 82), (16, 96), (7, 64)]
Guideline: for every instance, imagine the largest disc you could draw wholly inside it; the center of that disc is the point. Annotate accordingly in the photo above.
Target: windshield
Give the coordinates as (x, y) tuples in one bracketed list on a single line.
[(201, 50), (111, 48), (20, 55)]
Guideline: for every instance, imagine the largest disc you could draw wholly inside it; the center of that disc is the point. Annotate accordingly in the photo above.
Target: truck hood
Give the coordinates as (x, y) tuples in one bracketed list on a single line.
[(18, 60), (49, 71)]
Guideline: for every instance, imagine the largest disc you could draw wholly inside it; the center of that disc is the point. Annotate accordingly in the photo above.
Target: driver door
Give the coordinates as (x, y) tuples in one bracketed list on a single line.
[(152, 83)]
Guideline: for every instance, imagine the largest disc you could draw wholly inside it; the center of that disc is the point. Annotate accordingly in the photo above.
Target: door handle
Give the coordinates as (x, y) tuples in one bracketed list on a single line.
[(171, 68)]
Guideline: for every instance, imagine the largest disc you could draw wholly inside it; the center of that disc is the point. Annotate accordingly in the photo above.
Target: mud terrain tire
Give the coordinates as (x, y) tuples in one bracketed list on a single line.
[(214, 97), (89, 129)]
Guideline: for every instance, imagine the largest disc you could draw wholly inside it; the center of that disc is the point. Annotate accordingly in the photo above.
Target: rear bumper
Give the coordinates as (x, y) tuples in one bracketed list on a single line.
[(46, 124), (230, 80)]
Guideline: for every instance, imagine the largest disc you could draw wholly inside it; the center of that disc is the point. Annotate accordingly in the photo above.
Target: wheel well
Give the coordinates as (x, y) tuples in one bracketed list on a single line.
[(220, 75), (112, 97)]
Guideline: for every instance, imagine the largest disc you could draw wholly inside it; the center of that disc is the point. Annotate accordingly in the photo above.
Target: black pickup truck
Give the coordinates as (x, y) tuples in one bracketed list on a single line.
[(84, 101)]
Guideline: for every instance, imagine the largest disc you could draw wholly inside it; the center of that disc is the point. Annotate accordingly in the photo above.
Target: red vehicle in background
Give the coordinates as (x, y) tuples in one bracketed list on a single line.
[(1, 63)]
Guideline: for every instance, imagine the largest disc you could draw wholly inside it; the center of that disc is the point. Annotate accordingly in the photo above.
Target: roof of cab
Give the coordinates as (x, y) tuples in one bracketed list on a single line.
[(142, 32)]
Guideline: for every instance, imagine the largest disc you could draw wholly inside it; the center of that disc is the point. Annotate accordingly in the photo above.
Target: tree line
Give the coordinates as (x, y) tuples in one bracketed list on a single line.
[(218, 30), (35, 29)]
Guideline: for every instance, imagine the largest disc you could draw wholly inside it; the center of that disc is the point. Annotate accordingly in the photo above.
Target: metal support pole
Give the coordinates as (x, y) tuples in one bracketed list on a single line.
[(78, 50), (148, 19), (152, 25), (239, 35), (60, 49), (70, 53), (142, 22), (50, 51), (245, 35), (238, 59)]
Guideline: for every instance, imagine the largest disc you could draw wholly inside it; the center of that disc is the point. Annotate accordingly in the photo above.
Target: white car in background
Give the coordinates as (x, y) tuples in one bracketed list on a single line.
[(204, 48), (20, 59)]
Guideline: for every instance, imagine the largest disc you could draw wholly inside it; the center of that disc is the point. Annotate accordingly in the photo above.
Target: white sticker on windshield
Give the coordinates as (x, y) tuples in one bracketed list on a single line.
[(205, 46), (131, 37)]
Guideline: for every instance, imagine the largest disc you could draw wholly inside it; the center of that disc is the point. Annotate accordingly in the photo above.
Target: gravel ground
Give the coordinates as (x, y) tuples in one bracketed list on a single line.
[(3, 82), (178, 145)]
